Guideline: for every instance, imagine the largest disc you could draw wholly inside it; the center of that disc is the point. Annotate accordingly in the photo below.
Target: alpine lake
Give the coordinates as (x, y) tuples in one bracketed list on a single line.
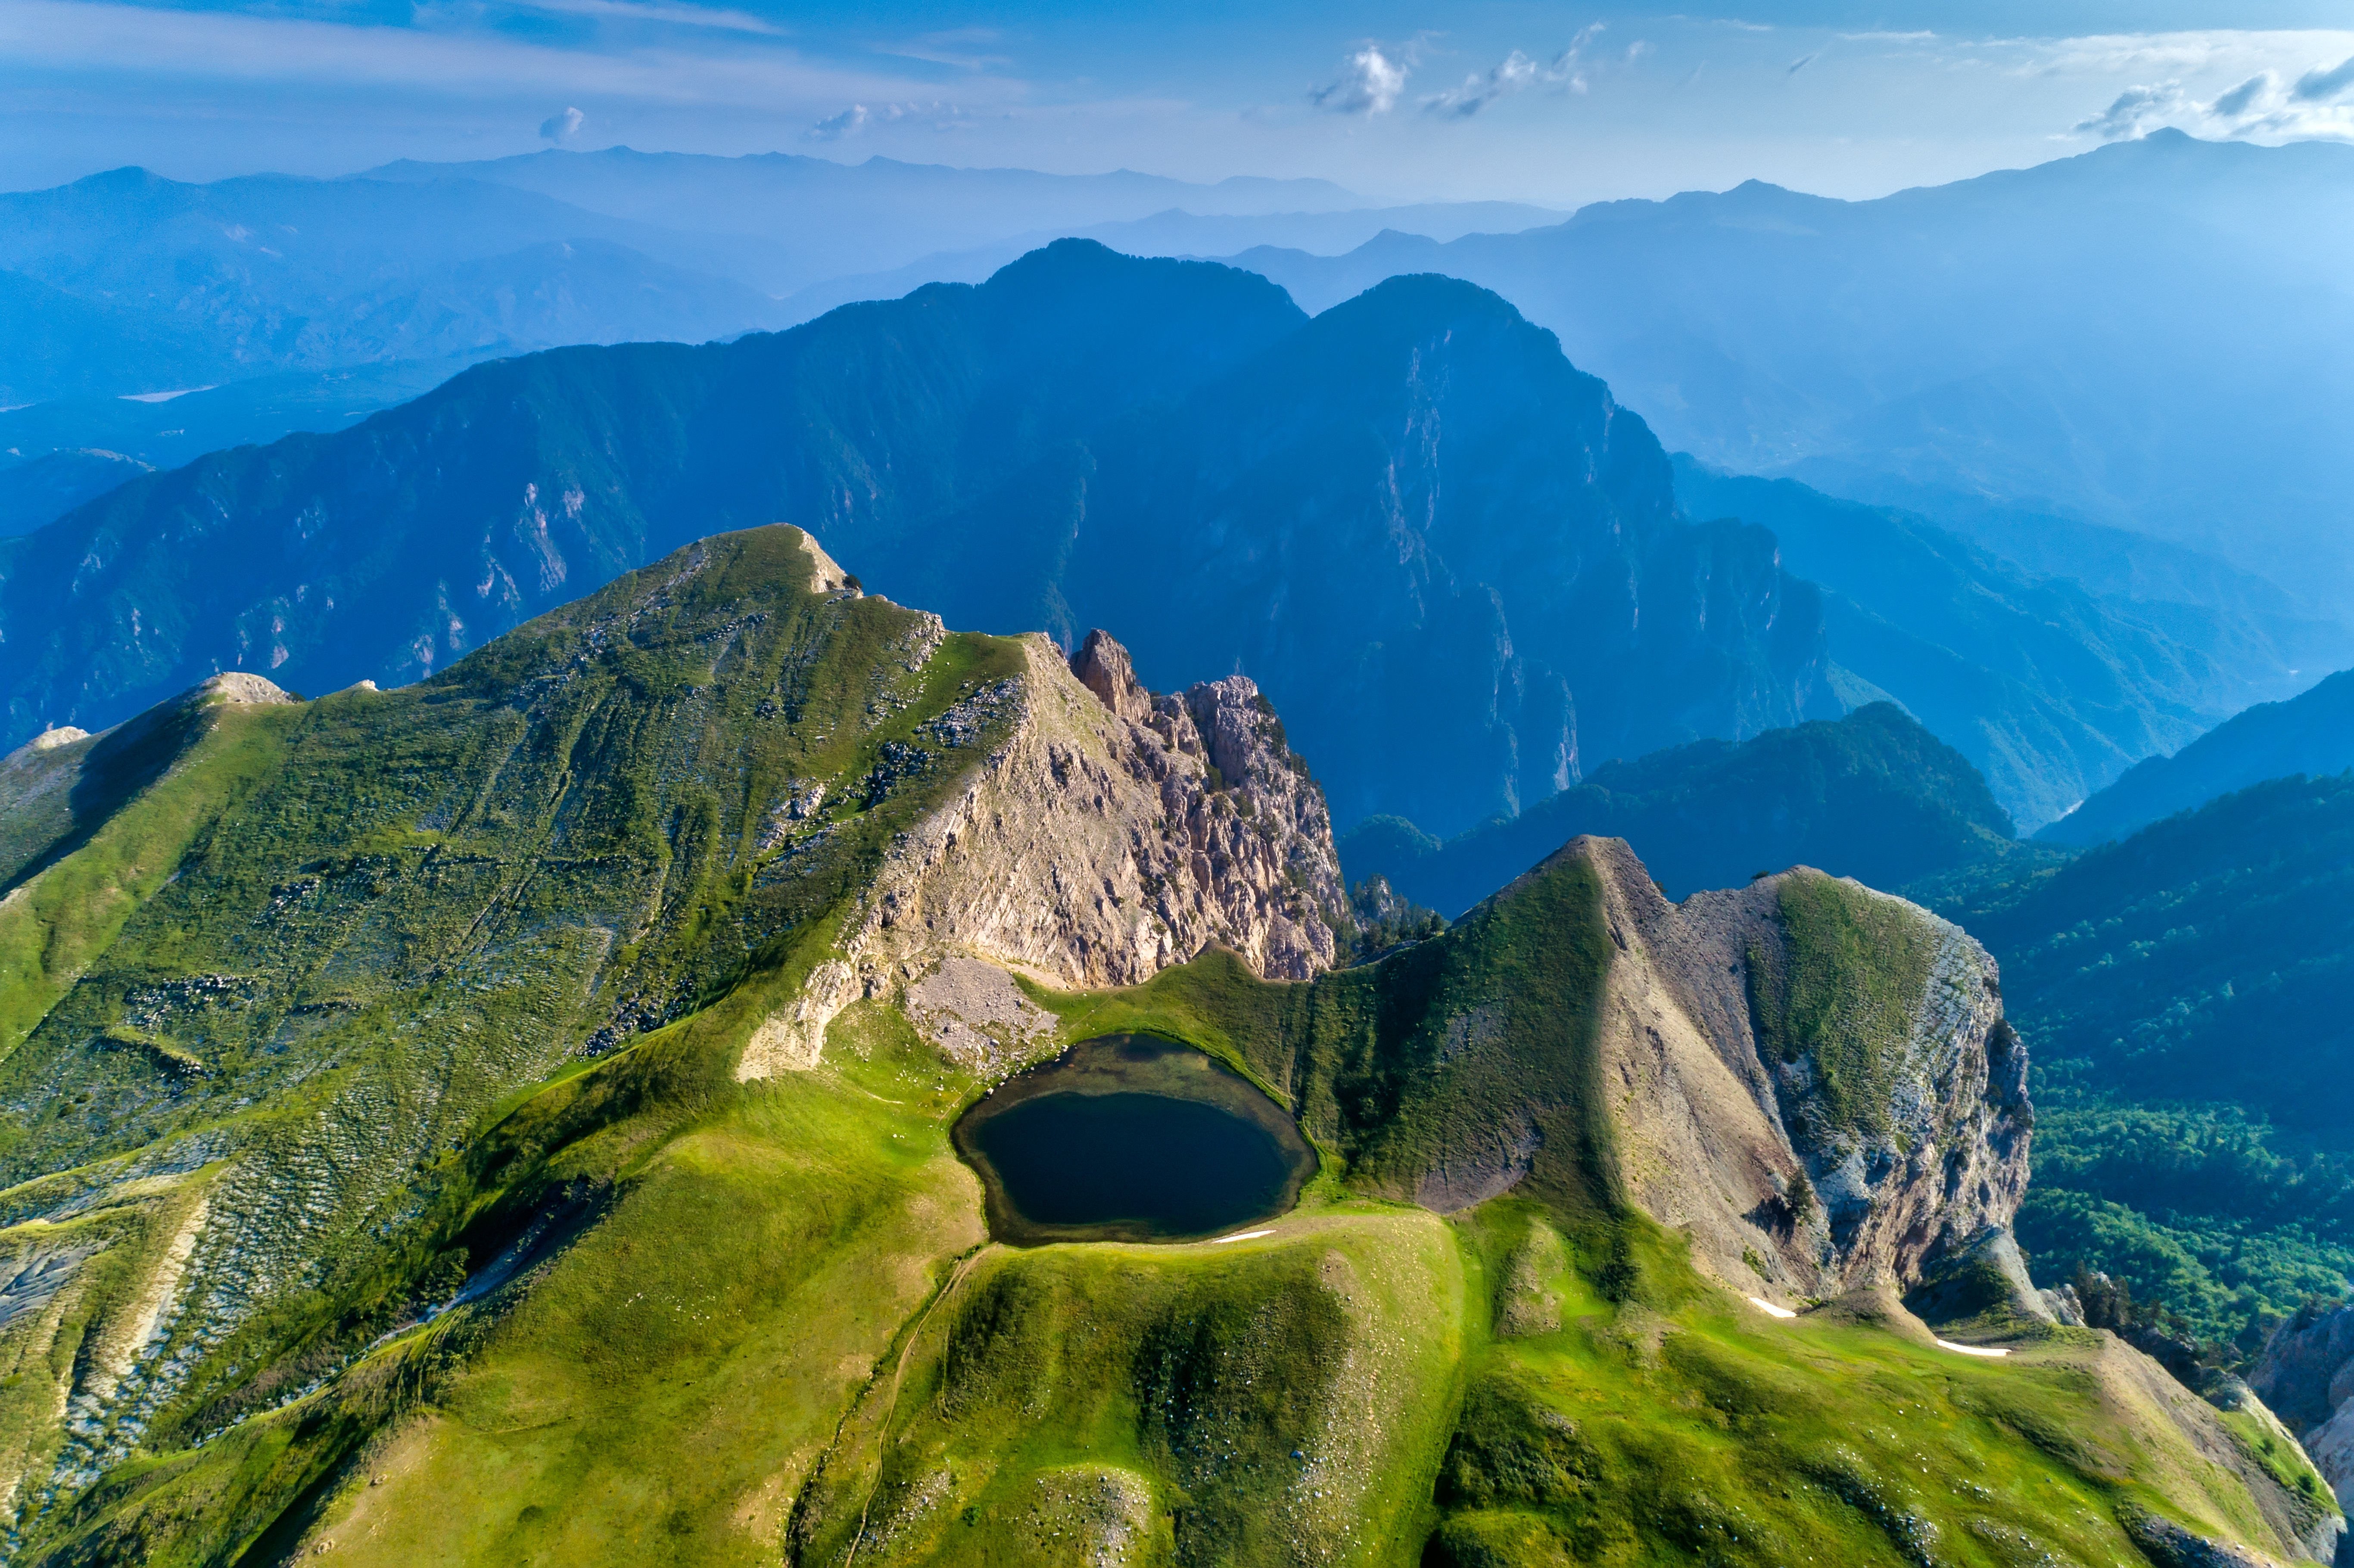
[(1127, 1138)]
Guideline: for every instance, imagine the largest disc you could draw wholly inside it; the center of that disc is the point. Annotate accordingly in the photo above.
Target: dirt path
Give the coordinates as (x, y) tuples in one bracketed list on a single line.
[(899, 1374)]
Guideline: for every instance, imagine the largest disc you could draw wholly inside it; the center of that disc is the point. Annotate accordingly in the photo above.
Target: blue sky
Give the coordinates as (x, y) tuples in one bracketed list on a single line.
[(1558, 104)]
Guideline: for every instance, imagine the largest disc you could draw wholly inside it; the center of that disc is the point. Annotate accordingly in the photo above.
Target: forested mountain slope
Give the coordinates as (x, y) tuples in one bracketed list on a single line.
[(2188, 992), (1470, 542), (2312, 733), (1873, 796), (2049, 689)]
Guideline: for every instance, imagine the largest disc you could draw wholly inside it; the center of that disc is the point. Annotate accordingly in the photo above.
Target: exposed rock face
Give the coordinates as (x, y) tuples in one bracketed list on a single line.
[(48, 740), (1115, 834), (237, 686), (2307, 1375), (1715, 1130)]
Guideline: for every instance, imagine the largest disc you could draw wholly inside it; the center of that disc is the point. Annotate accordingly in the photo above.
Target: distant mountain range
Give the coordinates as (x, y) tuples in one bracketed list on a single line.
[(1410, 513), (1409, 518), (2312, 735), (784, 222), (2005, 355), (2049, 689), (126, 283), (2023, 337), (1873, 796)]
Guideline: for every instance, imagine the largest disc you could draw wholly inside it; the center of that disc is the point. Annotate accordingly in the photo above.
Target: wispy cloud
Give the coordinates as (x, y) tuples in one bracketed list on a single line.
[(958, 46), (858, 117), (2236, 101), (1370, 81), (1517, 73), (834, 127), (1483, 88), (660, 11), (2257, 107), (562, 126), (79, 35)]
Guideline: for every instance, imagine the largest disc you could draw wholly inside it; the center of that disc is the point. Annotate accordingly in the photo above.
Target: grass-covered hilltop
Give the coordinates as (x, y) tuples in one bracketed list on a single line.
[(507, 1119)]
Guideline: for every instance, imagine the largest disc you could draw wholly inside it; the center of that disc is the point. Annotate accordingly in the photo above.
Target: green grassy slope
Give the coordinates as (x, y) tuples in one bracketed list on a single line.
[(776, 1336), (295, 972)]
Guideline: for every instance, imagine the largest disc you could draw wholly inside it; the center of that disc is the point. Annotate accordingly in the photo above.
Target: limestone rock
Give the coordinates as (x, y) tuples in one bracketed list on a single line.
[(1102, 666), (1113, 834), (239, 687), (1713, 1136), (826, 575), (48, 739)]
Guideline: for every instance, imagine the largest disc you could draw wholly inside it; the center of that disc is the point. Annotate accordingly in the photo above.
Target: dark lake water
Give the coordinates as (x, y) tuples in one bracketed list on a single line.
[(1131, 1139)]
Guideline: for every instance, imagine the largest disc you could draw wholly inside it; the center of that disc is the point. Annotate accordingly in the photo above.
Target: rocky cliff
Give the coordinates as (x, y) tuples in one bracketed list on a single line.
[(2307, 1375), (1811, 1072), (1812, 1080), (1110, 834)]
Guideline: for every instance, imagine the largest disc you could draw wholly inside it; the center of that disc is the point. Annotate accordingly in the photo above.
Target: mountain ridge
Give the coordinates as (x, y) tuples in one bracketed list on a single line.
[(2304, 734), (957, 441)]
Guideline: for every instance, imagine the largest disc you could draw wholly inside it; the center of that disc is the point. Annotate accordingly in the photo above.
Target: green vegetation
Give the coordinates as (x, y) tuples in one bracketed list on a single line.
[(1258, 1402), (1697, 1431), (1473, 1050), (2187, 995), (1841, 994), (749, 1315), (429, 1007), (1873, 796), (301, 966)]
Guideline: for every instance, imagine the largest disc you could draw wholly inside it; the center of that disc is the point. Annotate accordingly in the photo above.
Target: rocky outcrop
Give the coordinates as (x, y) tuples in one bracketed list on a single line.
[(2171, 1545), (1112, 834), (236, 686), (2306, 1374), (1782, 1183)]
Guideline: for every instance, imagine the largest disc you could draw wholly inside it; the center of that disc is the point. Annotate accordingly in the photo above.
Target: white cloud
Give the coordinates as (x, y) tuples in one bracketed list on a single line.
[(834, 127), (1369, 82), (2257, 107), (953, 48), (1516, 73), (1478, 91), (857, 117), (2136, 111), (2236, 101), (561, 127)]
